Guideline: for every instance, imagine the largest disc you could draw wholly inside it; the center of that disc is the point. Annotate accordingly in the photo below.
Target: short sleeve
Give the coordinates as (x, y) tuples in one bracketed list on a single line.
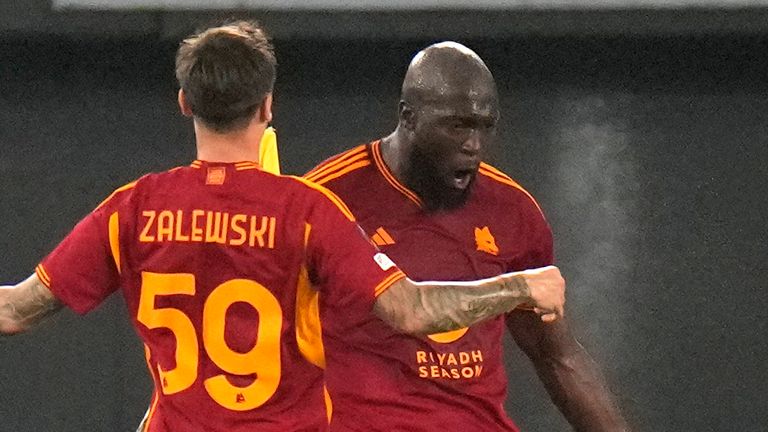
[(82, 271), (539, 242), (345, 266), (541, 245)]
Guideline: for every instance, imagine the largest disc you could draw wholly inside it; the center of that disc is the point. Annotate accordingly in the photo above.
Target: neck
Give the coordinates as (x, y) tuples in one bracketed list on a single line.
[(414, 170), (235, 146), (395, 150)]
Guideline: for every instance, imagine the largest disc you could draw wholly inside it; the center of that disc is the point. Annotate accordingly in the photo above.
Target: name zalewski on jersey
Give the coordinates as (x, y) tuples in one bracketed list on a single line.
[(383, 261)]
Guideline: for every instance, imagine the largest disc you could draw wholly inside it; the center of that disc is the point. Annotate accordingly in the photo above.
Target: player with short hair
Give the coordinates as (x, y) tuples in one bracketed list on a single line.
[(425, 198), (221, 264)]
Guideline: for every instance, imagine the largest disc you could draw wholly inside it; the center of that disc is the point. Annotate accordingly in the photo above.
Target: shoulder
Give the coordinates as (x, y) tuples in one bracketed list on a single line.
[(341, 165), (319, 195), (146, 182), (119, 195), (505, 189)]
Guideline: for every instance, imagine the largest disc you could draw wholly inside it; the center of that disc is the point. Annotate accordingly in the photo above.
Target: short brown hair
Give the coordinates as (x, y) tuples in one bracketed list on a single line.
[(225, 73)]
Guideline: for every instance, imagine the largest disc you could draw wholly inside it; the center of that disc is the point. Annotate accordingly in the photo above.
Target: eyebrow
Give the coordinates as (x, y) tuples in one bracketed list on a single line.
[(473, 117)]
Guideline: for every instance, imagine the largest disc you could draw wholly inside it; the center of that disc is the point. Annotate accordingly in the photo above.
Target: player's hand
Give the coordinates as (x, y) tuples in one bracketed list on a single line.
[(547, 292)]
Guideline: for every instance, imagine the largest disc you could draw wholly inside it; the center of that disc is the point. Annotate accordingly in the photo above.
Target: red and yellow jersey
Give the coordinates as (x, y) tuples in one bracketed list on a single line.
[(380, 380), (221, 266)]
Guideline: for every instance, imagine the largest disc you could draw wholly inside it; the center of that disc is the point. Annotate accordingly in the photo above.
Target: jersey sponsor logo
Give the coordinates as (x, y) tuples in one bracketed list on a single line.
[(450, 365), (206, 226), (382, 238), (383, 261), (448, 337), (485, 241), (216, 176)]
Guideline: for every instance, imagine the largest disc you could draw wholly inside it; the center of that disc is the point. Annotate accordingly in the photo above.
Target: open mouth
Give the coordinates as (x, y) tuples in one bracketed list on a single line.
[(462, 178)]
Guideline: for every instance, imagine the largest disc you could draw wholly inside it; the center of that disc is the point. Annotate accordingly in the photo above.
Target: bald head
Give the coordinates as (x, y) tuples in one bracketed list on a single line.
[(448, 113), (445, 71)]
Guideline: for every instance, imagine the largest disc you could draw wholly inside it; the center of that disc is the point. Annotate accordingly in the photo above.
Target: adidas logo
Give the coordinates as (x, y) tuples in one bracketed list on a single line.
[(382, 237)]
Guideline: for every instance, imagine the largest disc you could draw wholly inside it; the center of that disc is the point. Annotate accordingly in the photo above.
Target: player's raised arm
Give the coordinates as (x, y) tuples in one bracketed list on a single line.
[(435, 307), (24, 305)]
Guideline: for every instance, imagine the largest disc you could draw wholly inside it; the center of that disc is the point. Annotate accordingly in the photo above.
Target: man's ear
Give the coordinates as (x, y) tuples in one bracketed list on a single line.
[(265, 110), (406, 116), (186, 110)]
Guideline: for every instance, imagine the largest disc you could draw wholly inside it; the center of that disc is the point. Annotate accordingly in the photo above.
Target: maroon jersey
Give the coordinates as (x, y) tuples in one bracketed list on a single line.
[(220, 266), (380, 380)]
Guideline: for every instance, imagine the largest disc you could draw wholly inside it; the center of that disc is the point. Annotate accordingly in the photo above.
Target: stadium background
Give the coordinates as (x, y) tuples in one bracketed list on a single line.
[(641, 127)]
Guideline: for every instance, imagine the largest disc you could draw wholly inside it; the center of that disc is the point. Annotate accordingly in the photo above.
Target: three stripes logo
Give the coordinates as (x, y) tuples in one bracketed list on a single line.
[(382, 238)]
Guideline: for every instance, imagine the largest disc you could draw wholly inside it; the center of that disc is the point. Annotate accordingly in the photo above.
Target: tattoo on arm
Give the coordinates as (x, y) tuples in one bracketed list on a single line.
[(435, 307), (25, 305)]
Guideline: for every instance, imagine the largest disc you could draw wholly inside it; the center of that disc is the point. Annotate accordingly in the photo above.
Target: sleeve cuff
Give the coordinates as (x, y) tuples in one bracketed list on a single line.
[(387, 282)]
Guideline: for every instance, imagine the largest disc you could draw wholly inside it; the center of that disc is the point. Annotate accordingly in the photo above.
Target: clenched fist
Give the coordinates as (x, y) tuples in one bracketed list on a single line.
[(547, 291)]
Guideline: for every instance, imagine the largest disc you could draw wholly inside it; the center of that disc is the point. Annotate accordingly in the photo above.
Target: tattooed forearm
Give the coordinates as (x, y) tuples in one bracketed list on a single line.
[(24, 305), (455, 306), (435, 307)]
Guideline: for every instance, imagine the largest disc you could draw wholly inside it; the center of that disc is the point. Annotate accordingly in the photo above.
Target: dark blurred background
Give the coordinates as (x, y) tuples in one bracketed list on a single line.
[(641, 127)]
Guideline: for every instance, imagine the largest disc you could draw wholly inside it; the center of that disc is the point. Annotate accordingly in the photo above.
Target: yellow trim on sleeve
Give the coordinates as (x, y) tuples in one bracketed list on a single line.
[(386, 283), (43, 276)]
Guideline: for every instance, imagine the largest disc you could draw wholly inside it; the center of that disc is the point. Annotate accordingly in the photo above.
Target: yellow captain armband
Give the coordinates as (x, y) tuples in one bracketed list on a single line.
[(268, 158)]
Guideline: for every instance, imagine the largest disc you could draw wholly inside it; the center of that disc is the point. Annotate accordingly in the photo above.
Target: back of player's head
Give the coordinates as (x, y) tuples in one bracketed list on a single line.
[(441, 70), (225, 73)]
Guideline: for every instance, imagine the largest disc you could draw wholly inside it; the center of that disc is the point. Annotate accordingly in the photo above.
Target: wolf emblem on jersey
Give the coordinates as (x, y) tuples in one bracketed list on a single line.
[(485, 241)]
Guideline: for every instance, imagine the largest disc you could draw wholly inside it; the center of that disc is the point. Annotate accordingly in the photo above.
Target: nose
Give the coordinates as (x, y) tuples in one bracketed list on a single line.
[(473, 144)]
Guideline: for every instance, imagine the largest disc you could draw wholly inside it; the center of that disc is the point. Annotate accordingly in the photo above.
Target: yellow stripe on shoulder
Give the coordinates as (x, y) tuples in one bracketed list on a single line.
[(328, 194), (500, 177), (129, 186), (493, 170), (342, 172), (331, 171), (337, 162)]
